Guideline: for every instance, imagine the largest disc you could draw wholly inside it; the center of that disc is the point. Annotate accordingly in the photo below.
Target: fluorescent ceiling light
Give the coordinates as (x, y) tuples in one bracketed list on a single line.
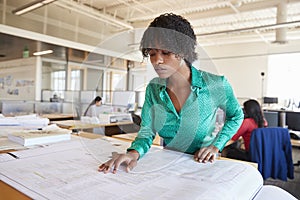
[(39, 53), (31, 6)]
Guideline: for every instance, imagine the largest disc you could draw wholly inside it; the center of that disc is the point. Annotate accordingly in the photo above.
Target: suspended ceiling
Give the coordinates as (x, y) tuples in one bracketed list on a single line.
[(117, 25)]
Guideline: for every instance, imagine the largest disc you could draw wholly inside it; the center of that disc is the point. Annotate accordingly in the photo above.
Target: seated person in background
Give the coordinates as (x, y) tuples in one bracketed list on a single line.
[(253, 119), (91, 109)]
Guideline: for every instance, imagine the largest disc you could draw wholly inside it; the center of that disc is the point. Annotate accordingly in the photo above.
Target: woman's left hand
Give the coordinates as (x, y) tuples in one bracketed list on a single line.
[(206, 154)]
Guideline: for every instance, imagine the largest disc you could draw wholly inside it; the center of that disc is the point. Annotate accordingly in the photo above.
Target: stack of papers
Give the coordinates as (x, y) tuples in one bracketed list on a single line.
[(25, 120), (48, 134), (9, 121)]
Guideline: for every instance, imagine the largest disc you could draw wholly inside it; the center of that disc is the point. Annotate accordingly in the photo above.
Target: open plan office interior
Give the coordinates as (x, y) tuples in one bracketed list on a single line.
[(56, 56)]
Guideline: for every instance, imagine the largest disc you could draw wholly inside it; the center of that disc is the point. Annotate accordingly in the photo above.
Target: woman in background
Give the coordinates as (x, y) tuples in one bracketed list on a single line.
[(253, 119), (91, 109)]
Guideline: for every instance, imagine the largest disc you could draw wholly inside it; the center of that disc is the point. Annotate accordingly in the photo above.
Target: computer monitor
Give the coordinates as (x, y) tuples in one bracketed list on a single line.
[(272, 118), (270, 100), (293, 120)]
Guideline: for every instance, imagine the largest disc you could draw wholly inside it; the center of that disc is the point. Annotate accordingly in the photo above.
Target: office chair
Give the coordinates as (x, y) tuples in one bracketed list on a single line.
[(271, 148), (77, 110), (136, 121)]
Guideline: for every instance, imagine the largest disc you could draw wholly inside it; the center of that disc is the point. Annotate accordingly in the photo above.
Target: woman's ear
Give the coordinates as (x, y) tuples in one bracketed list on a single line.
[(179, 57)]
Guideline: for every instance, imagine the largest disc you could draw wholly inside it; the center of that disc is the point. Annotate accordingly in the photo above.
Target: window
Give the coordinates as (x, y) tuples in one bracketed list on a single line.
[(58, 80), (114, 82), (75, 80), (118, 81), (283, 76)]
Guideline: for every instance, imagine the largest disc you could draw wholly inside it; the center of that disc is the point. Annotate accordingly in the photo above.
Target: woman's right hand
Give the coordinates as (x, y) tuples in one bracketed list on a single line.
[(130, 159)]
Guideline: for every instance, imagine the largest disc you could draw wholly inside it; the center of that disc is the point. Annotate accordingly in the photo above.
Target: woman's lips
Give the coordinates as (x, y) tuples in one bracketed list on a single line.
[(159, 69)]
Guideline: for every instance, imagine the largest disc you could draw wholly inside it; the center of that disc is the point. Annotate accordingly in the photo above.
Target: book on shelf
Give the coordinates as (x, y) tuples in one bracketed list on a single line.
[(38, 137)]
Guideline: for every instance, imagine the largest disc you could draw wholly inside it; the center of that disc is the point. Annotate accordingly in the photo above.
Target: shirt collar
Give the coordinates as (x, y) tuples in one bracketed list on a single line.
[(197, 80)]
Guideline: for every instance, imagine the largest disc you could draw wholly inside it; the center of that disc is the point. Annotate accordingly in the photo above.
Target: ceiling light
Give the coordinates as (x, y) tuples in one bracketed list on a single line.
[(31, 6), (39, 53)]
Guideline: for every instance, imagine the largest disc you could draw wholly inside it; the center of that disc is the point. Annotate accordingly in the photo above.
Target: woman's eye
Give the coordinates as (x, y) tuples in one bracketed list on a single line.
[(151, 52), (166, 52)]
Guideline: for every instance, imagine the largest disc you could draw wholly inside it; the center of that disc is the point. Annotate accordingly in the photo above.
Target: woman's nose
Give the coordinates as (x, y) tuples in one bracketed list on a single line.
[(157, 59)]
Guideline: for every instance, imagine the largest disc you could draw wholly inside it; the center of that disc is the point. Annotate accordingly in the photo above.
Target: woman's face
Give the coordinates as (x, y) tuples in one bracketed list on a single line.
[(165, 63), (98, 103)]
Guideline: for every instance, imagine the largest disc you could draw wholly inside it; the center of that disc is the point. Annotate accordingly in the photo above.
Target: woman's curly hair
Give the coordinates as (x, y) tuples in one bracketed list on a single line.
[(173, 33)]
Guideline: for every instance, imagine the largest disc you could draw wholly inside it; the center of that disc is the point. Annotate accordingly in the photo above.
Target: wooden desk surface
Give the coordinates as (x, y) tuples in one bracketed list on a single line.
[(57, 116), (132, 136), (255, 165), (9, 193), (295, 143), (90, 135), (77, 124)]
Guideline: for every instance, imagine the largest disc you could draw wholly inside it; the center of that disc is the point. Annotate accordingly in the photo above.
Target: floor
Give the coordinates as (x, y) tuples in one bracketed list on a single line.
[(292, 185)]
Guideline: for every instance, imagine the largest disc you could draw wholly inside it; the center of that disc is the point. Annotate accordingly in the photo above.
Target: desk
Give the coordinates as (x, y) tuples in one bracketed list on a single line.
[(9, 193), (131, 136), (109, 129), (169, 174), (295, 143), (255, 165), (89, 135), (56, 117)]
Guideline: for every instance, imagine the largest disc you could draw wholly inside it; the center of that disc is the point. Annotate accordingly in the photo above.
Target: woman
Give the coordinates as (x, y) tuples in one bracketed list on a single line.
[(253, 119), (91, 109), (181, 103)]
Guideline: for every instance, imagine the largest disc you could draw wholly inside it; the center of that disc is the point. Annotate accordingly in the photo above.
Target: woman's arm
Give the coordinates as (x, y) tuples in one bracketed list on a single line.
[(146, 134), (234, 117)]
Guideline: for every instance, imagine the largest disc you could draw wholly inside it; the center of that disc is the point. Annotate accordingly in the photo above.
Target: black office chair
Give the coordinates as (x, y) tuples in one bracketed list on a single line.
[(136, 121)]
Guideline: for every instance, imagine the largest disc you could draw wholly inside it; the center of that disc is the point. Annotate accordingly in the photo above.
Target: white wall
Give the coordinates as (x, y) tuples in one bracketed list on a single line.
[(93, 76), (242, 64), (18, 80)]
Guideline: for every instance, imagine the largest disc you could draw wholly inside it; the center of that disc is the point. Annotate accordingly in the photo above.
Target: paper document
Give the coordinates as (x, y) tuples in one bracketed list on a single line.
[(71, 173), (34, 137), (4, 157)]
